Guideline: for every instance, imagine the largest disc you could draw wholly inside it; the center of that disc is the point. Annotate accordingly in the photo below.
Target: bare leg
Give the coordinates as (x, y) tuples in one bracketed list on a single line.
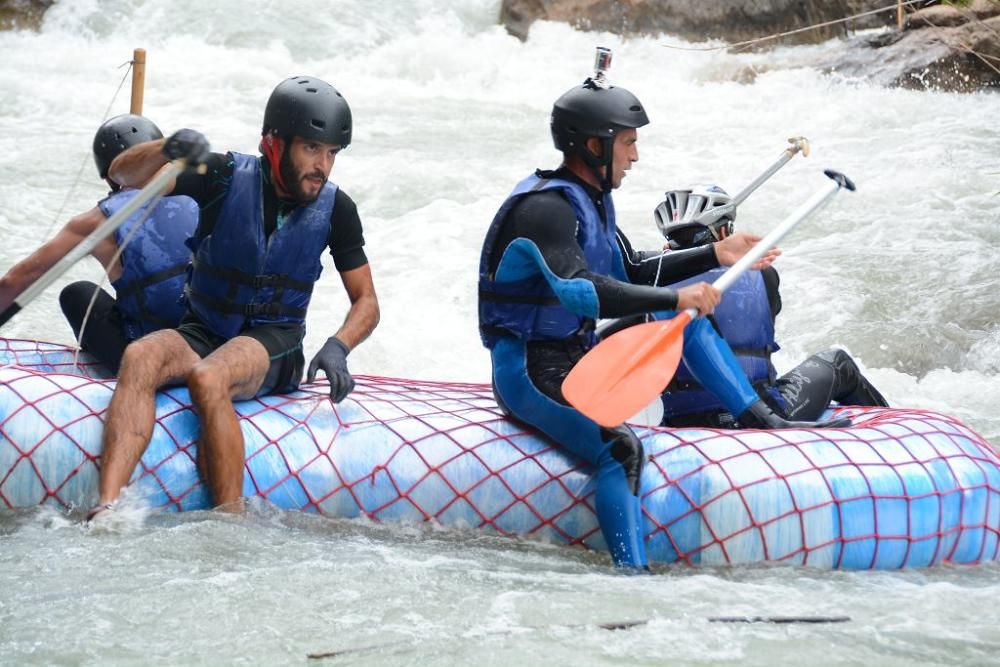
[(160, 358), (234, 371)]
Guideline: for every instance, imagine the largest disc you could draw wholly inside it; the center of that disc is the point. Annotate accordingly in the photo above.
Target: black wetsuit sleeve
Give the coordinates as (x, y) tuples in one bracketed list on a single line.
[(208, 189), (642, 267), (771, 283), (548, 220), (346, 239)]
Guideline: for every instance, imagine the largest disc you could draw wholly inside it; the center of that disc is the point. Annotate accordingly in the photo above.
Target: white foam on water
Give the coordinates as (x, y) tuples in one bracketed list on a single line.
[(450, 112)]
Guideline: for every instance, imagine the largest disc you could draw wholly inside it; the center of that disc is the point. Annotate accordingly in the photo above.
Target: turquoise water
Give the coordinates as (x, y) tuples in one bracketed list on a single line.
[(450, 112)]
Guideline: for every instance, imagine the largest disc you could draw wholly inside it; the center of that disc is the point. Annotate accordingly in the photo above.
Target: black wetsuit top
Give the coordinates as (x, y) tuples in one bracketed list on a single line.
[(346, 241), (549, 221)]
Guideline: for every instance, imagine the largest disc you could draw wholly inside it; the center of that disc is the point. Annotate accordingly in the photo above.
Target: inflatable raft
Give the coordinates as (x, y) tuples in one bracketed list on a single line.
[(901, 488)]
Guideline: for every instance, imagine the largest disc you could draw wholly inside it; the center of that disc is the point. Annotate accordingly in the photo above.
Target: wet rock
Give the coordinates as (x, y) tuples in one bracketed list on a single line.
[(943, 16), (22, 14), (944, 47), (880, 20), (956, 58), (939, 16), (697, 20), (985, 9)]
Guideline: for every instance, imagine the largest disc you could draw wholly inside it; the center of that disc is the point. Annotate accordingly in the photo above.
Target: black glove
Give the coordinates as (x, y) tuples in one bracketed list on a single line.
[(188, 145), (332, 358)]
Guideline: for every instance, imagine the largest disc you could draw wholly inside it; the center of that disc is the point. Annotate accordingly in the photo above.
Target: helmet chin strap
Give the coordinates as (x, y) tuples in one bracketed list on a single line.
[(273, 147), (600, 169)]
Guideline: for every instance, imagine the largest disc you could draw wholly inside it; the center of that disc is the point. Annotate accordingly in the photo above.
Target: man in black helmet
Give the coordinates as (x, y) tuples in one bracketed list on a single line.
[(264, 224), (554, 261), (745, 317), (145, 258)]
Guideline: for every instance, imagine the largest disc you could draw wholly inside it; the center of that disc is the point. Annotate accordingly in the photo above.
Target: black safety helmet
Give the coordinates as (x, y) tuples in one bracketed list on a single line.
[(119, 133), (593, 110), (306, 107)]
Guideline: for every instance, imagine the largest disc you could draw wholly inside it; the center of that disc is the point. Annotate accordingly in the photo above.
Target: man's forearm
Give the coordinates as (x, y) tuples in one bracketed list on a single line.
[(361, 320), (136, 166), (618, 299)]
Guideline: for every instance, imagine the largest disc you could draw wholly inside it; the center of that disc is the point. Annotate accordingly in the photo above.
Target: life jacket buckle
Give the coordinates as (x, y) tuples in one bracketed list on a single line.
[(256, 309), (267, 280)]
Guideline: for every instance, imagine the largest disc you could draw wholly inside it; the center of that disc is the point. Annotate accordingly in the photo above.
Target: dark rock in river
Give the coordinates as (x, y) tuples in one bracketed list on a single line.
[(697, 20), (22, 14), (941, 46)]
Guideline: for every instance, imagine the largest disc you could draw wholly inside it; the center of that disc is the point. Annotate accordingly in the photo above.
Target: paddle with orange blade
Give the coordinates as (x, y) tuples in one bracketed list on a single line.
[(624, 372)]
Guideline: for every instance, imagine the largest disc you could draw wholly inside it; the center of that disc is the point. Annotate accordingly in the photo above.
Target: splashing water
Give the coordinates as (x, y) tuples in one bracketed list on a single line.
[(450, 112)]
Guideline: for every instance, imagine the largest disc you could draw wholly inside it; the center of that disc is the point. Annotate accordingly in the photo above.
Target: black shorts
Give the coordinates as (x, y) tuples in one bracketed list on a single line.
[(104, 335), (283, 343)]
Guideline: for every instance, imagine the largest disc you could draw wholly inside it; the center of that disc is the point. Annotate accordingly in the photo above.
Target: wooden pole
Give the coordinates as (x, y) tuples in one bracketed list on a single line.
[(138, 80), (900, 17)]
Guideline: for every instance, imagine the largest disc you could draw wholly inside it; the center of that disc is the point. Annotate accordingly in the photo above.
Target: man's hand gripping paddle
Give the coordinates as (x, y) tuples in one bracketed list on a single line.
[(626, 371), (153, 189), (652, 414)]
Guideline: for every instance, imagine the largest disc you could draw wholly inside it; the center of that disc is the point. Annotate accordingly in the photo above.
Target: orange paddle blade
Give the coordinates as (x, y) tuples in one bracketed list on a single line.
[(626, 371)]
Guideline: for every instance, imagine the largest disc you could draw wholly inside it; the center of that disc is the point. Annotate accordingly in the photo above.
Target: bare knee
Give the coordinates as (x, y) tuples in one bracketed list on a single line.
[(141, 365), (207, 384)]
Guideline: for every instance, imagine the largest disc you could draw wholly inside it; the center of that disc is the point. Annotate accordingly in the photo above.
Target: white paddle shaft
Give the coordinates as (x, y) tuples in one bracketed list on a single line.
[(798, 215)]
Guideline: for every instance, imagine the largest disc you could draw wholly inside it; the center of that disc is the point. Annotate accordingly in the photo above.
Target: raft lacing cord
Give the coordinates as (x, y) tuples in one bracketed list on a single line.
[(439, 462), (147, 211), (87, 158)]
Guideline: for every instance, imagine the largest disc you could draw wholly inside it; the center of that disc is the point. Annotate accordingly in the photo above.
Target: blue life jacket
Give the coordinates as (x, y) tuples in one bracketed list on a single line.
[(744, 319), (242, 279), (154, 261), (524, 298)]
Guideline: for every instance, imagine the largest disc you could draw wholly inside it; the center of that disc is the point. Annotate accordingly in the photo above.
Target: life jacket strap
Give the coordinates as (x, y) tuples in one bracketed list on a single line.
[(255, 281), (271, 309)]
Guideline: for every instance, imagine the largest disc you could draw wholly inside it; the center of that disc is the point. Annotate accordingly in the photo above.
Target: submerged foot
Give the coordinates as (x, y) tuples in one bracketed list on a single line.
[(98, 511), (760, 415), (237, 506)]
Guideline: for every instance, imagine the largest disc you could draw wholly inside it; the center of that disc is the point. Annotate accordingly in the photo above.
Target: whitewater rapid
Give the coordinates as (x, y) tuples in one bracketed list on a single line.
[(450, 112)]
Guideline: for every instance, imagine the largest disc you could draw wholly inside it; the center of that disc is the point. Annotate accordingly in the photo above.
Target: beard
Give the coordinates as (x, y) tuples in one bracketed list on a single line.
[(294, 178)]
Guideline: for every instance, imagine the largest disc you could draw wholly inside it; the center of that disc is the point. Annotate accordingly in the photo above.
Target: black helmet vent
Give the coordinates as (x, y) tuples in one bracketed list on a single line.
[(119, 133), (315, 112)]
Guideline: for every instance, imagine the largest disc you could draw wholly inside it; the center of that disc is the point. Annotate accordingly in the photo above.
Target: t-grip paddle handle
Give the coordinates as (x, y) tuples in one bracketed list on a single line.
[(813, 204), (710, 216), (154, 188), (626, 371)]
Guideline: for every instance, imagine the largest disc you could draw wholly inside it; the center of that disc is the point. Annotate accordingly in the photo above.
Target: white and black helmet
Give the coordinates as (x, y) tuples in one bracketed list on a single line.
[(689, 218)]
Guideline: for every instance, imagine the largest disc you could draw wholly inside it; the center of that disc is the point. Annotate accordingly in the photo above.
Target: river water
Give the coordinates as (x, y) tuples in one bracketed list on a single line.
[(449, 112)]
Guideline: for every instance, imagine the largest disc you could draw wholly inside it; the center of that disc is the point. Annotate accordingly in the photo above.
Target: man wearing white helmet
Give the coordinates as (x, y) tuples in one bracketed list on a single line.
[(745, 317)]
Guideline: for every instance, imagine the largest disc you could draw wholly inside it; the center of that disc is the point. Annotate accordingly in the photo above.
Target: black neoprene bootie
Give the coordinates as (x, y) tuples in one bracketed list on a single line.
[(760, 415)]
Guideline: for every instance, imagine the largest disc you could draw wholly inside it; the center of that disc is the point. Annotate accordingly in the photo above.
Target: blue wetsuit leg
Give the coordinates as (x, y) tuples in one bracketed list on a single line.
[(616, 457), (713, 364)]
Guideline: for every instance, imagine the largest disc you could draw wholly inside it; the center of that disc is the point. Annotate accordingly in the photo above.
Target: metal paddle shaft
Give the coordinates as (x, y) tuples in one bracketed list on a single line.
[(154, 188), (626, 371), (798, 144)]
